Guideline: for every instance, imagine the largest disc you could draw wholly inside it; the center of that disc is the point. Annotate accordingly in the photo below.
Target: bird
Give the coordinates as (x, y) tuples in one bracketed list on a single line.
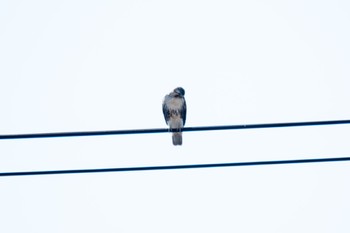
[(174, 110)]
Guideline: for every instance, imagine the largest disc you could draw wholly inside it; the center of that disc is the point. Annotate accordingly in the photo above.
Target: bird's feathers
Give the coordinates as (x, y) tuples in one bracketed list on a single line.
[(177, 139), (174, 106), (174, 110)]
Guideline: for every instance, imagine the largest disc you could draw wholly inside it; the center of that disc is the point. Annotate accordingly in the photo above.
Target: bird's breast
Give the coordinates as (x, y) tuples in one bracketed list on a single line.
[(175, 103)]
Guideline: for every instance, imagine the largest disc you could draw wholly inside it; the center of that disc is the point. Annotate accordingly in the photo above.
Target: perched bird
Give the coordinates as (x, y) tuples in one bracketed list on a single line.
[(174, 110)]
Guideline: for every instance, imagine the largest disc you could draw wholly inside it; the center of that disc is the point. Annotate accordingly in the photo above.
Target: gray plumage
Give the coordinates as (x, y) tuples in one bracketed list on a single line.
[(174, 110)]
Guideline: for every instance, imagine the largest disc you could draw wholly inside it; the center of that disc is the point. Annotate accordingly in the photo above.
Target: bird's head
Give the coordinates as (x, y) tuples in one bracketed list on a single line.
[(180, 91)]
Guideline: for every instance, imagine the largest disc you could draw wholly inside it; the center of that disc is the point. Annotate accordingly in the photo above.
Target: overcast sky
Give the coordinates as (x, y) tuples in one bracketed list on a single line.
[(106, 65)]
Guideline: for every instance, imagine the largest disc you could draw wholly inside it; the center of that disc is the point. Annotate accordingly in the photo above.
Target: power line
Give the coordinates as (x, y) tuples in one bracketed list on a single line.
[(175, 167), (186, 129)]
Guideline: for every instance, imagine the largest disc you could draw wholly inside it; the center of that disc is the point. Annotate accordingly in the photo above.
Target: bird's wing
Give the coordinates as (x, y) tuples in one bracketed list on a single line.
[(183, 112), (166, 111)]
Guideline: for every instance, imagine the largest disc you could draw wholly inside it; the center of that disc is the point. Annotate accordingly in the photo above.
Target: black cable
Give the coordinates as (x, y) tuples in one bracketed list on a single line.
[(186, 129), (175, 167)]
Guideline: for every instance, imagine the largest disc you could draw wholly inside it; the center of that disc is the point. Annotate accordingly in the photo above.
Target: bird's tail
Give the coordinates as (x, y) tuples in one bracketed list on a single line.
[(177, 138)]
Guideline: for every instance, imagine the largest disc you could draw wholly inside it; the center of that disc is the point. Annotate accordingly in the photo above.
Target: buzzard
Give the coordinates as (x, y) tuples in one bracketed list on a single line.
[(174, 110)]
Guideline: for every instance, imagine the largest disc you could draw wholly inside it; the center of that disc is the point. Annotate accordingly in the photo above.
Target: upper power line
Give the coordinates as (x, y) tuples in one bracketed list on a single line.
[(186, 129), (175, 167)]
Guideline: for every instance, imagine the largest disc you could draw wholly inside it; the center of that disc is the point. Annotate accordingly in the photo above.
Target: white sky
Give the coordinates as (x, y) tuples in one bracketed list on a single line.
[(106, 65)]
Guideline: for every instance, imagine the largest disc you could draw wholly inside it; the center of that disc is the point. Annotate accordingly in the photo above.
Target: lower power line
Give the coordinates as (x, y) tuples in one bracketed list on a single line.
[(175, 167)]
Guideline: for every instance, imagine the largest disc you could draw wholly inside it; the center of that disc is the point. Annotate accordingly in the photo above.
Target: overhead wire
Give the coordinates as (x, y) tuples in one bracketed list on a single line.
[(165, 130), (174, 167)]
